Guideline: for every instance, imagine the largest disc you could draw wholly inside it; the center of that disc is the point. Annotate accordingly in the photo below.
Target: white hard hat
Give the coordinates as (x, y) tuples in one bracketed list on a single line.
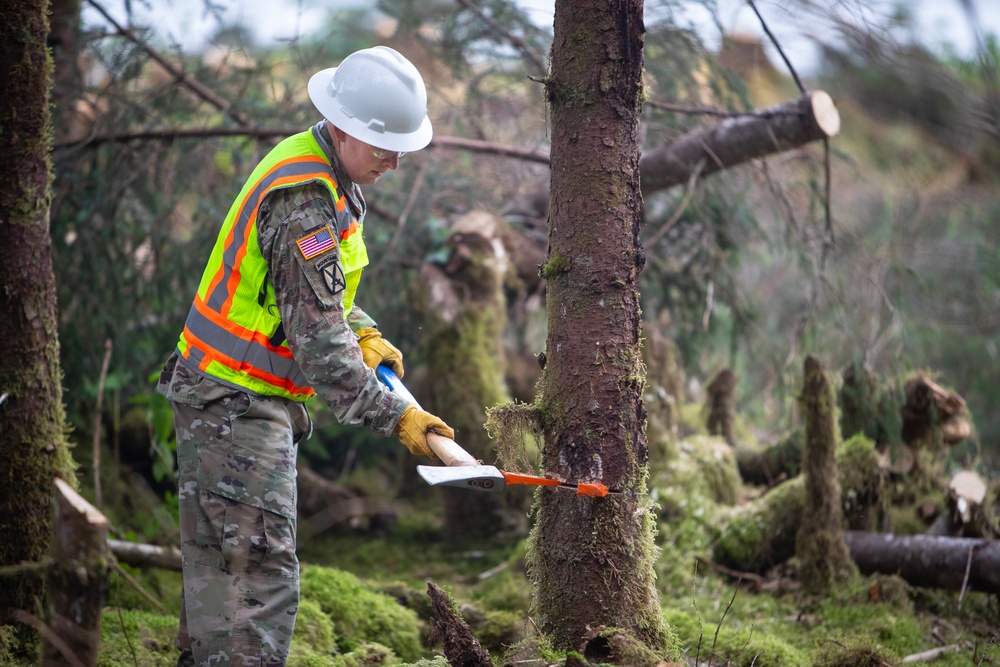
[(376, 96)]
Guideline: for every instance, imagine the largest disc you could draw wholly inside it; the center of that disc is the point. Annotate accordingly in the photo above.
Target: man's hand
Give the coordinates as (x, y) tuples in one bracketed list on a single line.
[(413, 427), (377, 350)]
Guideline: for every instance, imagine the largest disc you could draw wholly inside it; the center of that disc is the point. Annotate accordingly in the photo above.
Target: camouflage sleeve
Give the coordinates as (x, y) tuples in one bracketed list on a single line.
[(358, 319), (297, 232)]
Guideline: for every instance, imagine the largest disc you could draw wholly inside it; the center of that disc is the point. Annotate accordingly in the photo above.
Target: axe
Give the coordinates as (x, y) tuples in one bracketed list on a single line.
[(462, 470)]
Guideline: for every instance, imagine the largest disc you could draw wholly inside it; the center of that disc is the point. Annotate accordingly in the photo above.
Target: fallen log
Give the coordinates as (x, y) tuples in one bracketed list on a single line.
[(762, 533), (772, 464), (146, 555), (779, 128), (953, 563), (78, 580)]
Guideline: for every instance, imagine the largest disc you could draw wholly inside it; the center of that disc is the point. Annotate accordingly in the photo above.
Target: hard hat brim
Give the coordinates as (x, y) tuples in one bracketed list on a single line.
[(319, 84)]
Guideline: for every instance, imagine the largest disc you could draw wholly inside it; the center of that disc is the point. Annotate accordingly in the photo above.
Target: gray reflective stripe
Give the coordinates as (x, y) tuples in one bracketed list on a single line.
[(220, 294), (246, 352)]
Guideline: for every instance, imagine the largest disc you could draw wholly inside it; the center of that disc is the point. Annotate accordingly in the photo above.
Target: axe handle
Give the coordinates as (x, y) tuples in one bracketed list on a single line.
[(446, 449), (449, 451)]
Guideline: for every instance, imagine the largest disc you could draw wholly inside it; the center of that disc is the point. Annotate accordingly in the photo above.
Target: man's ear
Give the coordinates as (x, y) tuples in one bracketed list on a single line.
[(337, 134)]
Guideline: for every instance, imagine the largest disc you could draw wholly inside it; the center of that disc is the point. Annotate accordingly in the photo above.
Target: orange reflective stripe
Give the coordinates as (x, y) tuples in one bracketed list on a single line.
[(225, 360), (341, 204), (234, 277), (346, 233), (240, 331), (250, 192)]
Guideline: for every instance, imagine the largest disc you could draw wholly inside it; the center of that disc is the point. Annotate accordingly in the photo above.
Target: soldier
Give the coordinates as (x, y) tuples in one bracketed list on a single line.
[(273, 323)]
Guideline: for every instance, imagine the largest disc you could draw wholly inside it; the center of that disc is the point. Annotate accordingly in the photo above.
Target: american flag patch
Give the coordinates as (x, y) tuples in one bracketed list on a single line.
[(317, 243)]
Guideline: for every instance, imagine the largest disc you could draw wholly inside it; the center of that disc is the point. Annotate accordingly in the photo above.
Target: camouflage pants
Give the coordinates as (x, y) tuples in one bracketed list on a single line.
[(236, 476)]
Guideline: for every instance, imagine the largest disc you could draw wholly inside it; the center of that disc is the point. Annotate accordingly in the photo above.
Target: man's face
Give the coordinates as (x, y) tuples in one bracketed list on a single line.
[(361, 161)]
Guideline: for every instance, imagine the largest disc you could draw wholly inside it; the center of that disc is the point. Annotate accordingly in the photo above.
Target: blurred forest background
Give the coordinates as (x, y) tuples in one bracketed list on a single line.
[(880, 254), (745, 270)]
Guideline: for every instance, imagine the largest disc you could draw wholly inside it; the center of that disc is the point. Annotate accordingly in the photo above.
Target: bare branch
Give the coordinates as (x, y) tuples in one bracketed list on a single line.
[(49, 635), (171, 134), (182, 77), (515, 41), (777, 45), (668, 225), (411, 201)]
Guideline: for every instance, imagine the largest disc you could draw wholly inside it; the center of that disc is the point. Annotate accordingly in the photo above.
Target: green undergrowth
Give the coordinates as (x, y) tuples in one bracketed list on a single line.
[(789, 628), (364, 598)]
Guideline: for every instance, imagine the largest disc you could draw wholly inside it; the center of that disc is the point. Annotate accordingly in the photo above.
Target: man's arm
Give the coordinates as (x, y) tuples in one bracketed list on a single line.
[(308, 288)]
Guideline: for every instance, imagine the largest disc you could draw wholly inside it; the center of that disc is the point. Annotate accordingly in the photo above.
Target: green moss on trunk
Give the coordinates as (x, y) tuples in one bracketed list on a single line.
[(591, 560), (32, 422), (824, 560)]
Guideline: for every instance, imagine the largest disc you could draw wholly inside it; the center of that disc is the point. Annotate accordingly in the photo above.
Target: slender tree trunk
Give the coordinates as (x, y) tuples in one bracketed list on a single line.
[(32, 422), (592, 559)]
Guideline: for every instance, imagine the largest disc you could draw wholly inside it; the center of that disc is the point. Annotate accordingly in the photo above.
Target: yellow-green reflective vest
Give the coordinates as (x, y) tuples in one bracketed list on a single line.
[(232, 332)]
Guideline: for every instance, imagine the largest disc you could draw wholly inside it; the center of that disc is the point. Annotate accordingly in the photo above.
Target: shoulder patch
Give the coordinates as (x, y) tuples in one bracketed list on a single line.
[(317, 243), (333, 275)]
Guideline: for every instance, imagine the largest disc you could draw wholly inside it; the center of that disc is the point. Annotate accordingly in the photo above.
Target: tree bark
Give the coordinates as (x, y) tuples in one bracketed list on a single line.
[(952, 563), (773, 130), (32, 421), (592, 559), (78, 579), (722, 406), (823, 558)]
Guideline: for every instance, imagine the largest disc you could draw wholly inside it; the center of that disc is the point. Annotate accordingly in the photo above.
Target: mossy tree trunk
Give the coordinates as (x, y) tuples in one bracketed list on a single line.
[(823, 555), (722, 405), (32, 422), (591, 559), (464, 317)]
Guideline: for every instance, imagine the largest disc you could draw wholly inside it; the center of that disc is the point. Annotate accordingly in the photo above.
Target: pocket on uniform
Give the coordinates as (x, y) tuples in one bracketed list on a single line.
[(242, 478), (247, 518)]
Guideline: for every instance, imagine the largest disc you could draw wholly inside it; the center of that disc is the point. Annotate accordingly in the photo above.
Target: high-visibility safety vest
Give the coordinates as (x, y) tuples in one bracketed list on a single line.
[(233, 332)]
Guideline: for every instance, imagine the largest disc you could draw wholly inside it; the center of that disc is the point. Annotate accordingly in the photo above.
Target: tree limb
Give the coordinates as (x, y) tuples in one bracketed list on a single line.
[(171, 134), (182, 77), (515, 41), (775, 129)]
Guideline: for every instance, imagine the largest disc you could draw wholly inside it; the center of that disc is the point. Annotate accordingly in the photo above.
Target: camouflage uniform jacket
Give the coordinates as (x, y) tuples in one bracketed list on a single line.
[(321, 339)]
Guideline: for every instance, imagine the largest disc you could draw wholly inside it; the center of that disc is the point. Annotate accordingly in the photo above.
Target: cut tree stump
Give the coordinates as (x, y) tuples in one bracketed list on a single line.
[(953, 563), (775, 129), (461, 648), (931, 410), (967, 513), (78, 580)]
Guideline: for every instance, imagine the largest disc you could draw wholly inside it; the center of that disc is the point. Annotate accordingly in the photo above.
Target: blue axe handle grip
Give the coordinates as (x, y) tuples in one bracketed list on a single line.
[(387, 377)]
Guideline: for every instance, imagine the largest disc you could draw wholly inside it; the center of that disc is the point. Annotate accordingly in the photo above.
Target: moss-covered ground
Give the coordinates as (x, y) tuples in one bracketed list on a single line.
[(364, 598)]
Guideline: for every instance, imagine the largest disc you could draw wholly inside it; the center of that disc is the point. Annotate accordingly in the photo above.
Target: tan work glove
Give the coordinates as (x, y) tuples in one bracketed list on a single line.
[(377, 350), (413, 427)]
